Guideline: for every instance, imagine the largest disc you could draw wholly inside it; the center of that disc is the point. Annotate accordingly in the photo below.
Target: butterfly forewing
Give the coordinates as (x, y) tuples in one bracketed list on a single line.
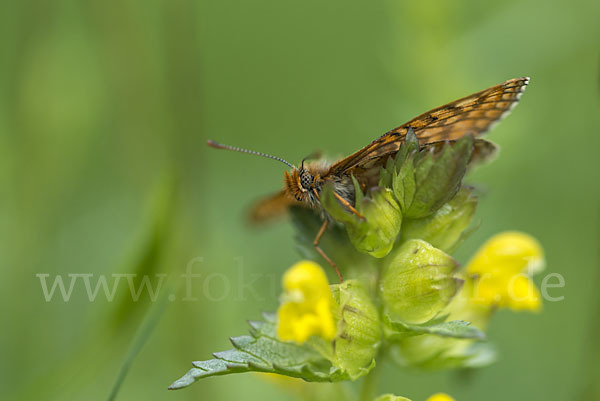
[(475, 114)]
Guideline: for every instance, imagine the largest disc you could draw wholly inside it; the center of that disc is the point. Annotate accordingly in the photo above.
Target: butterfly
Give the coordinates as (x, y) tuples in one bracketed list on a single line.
[(474, 114)]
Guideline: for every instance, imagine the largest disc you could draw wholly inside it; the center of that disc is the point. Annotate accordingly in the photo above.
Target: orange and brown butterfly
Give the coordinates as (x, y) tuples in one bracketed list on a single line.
[(474, 114)]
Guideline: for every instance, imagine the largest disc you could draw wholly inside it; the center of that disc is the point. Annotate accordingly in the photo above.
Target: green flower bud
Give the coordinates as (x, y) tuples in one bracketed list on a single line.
[(417, 282), (390, 397), (377, 232), (445, 229), (440, 350), (359, 329)]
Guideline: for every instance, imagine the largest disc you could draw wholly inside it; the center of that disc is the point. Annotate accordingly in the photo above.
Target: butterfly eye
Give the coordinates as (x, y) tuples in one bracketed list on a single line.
[(306, 180)]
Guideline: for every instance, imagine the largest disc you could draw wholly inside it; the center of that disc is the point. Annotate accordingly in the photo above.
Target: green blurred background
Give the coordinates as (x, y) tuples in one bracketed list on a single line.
[(105, 108)]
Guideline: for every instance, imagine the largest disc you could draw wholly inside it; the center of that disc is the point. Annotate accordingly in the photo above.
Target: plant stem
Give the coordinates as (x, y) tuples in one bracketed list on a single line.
[(370, 384)]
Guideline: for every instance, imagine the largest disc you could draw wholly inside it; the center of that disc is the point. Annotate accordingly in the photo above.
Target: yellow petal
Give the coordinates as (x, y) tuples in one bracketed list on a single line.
[(440, 397), (508, 253), (325, 317), (516, 292), (523, 294), (306, 304), (489, 291), (308, 278), (502, 268)]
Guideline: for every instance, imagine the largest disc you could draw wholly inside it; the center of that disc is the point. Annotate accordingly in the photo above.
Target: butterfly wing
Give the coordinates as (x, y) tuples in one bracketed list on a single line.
[(271, 207), (475, 114)]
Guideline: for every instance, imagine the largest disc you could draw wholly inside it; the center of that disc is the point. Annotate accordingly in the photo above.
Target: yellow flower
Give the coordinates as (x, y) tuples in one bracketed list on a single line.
[(440, 397), (306, 304), (503, 267)]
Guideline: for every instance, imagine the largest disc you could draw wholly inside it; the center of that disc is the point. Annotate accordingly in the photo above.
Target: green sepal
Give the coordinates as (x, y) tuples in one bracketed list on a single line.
[(358, 194), (410, 147), (386, 175), (394, 165), (418, 282), (397, 330), (390, 397), (359, 329), (447, 227), (404, 185), (425, 180), (376, 233), (383, 222), (429, 352), (263, 352)]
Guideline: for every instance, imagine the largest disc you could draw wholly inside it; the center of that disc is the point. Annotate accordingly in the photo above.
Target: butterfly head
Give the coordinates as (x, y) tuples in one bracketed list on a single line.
[(299, 183), (304, 184)]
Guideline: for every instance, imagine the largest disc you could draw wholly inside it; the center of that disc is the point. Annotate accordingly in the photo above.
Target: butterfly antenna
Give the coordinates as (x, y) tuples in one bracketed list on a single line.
[(218, 145)]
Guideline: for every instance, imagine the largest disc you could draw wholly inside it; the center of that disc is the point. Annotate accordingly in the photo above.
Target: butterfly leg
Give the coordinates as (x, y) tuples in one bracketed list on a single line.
[(348, 205), (318, 248)]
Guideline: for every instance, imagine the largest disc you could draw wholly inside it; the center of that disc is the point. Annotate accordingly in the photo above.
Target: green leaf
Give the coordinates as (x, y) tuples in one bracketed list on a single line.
[(454, 329), (263, 352)]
